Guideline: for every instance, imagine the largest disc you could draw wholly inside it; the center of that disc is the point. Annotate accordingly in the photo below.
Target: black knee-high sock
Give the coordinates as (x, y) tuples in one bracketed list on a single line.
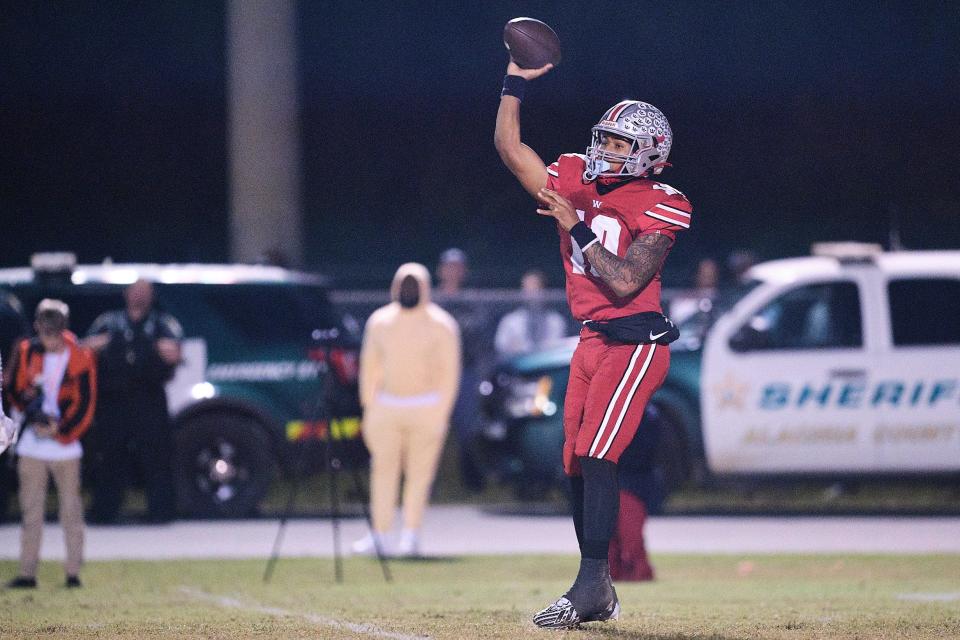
[(576, 507), (601, 506)]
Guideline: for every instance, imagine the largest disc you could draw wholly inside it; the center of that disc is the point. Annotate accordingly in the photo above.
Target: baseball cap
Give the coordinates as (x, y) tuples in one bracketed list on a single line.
[(53, 313), (453, 255)]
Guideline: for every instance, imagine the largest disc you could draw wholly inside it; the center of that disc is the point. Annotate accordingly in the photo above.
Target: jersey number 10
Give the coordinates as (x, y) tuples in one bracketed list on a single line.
[(608, 230)]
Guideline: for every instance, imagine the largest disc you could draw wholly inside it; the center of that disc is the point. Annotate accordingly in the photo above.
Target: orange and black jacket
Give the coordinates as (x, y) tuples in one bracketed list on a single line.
[(78, 391)]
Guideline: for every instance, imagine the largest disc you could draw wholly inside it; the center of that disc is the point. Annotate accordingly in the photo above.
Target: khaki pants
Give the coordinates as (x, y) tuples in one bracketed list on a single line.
[(33, 474), (407, 441)]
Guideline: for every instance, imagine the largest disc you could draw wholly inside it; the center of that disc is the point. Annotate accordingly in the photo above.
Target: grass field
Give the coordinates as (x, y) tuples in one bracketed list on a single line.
[(717, 597)]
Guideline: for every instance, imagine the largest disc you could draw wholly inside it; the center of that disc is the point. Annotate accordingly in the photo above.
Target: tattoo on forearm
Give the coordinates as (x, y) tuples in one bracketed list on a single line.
[(636, 269)]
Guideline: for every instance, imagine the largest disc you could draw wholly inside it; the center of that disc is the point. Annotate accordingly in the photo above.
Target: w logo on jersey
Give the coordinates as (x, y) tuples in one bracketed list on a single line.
[(597, 204)]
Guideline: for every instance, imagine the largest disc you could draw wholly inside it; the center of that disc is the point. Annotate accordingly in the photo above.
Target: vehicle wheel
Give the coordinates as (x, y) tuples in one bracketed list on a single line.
[(671, 461), (539, 448), (223, 465)]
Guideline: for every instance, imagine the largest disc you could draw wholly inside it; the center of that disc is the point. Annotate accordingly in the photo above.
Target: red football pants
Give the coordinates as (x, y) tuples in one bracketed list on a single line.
[(609, 387)]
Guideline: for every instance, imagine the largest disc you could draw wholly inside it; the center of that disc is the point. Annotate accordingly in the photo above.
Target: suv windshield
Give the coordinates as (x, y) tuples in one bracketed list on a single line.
[(255, 314), (287, 313)]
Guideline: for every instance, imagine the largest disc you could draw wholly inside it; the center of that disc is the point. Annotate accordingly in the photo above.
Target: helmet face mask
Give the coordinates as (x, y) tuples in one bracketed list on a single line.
[(641, 124)]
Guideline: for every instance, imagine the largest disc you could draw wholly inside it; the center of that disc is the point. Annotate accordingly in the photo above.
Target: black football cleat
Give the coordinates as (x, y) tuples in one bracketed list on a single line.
[(592, 598), (559, 615), (562, 614)]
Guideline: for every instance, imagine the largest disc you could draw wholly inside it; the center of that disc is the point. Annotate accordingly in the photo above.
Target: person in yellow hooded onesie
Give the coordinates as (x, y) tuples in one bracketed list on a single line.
[(409, 372)]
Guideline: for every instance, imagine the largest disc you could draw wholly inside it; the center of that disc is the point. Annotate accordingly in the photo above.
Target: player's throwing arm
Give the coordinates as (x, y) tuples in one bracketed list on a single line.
[(522, 161)]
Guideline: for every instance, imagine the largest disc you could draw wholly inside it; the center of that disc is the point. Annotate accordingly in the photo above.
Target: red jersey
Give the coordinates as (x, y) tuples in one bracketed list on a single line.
[(618, 216)]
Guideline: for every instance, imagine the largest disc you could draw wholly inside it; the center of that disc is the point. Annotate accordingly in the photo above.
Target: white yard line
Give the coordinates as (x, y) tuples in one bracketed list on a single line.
[(323, 621)]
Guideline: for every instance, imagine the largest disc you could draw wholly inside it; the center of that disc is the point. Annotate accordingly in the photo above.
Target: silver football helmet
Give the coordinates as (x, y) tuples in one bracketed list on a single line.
[(639, 122)]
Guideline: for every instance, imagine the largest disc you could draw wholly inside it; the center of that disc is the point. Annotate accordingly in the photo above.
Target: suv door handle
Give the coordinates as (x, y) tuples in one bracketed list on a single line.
[(848, 373)]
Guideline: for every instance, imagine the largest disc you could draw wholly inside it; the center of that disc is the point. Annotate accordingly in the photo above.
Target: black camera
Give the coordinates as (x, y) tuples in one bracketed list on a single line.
[(33, 414)]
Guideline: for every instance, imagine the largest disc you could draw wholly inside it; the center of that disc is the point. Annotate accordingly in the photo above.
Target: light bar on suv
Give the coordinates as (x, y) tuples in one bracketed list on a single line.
[(53, 262), (847, 251)]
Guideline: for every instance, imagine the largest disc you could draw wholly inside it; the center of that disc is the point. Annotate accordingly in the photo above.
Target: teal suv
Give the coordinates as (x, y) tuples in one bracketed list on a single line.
[(269, 372)]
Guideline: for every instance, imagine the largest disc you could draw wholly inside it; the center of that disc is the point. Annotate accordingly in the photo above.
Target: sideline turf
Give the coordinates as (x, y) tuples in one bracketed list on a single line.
[(716, 597)]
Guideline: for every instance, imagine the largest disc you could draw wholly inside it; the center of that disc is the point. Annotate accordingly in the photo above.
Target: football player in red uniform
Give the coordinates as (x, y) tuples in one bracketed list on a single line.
[(616, 225)]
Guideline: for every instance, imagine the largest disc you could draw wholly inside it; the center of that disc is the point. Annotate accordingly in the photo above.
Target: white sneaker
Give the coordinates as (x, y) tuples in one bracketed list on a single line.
[(367, 545), (409, 544)]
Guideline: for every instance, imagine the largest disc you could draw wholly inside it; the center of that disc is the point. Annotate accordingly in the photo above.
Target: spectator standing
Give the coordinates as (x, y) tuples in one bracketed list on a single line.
[(532, 326), (476, 329), (409, 368), (700, 298), (738, 263), (708, 276), (452, 270), (138, 351), (54, 385)]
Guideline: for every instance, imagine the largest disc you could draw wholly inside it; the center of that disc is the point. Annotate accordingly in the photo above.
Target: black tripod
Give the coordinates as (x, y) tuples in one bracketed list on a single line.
[(332, 466)]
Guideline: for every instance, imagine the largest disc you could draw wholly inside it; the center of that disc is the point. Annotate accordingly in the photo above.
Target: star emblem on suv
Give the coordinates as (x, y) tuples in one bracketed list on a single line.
[(730, 392)]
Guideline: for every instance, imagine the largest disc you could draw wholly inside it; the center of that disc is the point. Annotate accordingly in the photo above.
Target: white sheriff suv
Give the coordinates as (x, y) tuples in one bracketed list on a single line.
[(847, 361)]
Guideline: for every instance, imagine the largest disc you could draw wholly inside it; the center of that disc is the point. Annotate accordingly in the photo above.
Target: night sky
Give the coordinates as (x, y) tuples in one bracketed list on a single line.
[(793, 123)]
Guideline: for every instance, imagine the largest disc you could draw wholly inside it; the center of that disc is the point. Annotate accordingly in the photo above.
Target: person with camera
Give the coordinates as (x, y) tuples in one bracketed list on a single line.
[(53, 384), (138, 350)]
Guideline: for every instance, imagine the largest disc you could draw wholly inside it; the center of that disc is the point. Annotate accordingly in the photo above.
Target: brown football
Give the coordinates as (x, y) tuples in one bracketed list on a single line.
[(531, 43)]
